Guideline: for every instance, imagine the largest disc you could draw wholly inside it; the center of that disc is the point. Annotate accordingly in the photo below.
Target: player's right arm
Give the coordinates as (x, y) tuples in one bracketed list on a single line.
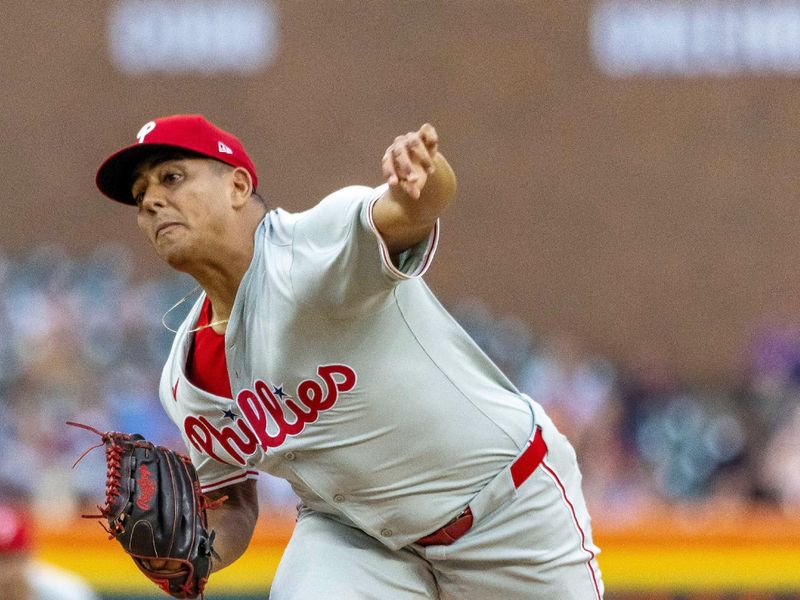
[(352, 248), (421, 186)]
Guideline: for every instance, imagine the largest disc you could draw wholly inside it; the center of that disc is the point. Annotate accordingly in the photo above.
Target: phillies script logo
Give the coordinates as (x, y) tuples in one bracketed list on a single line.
[(147, 488), (260, 407)]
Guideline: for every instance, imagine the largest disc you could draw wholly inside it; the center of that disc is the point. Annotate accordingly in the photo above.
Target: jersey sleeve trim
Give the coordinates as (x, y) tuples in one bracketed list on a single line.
[(410, 257), (215, 484)]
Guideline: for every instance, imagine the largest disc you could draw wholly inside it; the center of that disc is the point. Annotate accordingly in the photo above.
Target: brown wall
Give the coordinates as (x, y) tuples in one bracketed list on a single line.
[(655, 212)]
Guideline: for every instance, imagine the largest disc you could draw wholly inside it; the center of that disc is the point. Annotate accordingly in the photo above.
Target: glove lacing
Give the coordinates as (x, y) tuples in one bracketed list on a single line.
[(113, 458)]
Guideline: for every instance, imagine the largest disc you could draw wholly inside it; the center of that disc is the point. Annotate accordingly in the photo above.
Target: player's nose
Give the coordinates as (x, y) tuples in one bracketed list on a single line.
[(153, 199)]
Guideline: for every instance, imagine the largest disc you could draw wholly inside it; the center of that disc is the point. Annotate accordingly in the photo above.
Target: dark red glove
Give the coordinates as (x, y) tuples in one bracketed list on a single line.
[(155, 509)]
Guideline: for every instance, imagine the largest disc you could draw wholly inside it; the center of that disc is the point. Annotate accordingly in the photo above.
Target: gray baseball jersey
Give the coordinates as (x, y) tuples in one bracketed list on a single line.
[(349, 380)]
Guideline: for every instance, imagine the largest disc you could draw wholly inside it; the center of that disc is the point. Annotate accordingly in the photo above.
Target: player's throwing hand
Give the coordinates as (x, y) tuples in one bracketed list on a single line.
[(408, 161)]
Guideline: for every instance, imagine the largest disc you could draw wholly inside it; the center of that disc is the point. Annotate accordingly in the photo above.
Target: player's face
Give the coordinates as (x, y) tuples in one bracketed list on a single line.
[(183, 208)]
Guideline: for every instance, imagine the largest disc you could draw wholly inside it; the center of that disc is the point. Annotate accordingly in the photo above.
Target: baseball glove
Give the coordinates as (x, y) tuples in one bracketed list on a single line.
[(155, 509)]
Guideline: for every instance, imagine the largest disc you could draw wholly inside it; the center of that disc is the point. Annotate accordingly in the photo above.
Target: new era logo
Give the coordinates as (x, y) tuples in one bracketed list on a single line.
[(223, 148)]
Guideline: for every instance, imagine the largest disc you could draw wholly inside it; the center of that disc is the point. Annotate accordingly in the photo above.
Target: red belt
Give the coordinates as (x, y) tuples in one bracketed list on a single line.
[(521, 469)]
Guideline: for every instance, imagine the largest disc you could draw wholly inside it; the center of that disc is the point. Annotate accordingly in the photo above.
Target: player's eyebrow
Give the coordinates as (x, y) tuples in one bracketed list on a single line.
[(157, 160), (151, 163)]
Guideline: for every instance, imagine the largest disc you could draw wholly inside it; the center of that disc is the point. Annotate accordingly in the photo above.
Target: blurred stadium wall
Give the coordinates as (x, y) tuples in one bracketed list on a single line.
[(627, 175)]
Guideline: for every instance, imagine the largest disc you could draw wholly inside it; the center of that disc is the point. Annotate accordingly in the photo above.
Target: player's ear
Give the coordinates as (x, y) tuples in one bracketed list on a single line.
[(242, 187)]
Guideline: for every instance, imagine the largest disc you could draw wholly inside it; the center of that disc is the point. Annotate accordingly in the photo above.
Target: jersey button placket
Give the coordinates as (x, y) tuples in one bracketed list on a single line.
[(387, 532), (338, 498), (290, 456)]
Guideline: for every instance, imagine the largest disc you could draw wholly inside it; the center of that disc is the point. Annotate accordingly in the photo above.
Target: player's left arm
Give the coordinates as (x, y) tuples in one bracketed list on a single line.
[(421, 186)]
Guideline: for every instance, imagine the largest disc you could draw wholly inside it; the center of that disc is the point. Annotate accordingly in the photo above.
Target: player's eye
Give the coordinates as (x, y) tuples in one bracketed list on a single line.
[(171, 177)]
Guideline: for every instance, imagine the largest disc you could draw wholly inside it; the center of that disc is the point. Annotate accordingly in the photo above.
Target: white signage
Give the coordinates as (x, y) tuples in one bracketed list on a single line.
[(200, 36), (696, 38)]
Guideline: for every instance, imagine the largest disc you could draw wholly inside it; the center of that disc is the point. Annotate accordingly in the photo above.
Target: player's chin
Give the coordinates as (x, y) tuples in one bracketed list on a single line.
[(179, 262), (176, 255)]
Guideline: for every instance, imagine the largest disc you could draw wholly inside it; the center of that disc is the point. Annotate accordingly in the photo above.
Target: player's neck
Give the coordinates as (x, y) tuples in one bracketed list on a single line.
[(221, 280), (221, 274), (224, 262)]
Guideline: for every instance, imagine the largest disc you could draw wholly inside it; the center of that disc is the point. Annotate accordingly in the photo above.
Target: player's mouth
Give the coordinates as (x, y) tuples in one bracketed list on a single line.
[(166, 227)]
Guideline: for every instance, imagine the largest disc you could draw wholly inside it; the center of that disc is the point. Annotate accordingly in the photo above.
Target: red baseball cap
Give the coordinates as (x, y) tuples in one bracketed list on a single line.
[(180, 132)]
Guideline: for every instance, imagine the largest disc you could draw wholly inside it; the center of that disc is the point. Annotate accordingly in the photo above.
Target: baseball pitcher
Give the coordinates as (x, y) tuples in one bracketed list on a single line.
[(316, 352)]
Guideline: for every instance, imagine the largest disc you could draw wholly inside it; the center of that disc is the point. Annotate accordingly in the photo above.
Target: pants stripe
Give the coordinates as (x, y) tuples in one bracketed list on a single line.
[(591, 554)]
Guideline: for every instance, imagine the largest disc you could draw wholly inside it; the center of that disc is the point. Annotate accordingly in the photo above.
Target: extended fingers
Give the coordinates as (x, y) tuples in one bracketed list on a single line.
[(410, 159), (418, 152), (415, 148), (404, 155), (389, 167), (430, 138), (399, 169), (397, 162)]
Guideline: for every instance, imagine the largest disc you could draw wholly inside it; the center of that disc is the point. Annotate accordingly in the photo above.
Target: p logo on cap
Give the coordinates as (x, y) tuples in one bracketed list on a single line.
[(146, 128)]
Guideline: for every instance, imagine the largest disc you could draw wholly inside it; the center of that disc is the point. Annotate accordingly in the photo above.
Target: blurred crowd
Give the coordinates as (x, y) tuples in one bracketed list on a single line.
[(644, 438), (22, 575), (84, 340)]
